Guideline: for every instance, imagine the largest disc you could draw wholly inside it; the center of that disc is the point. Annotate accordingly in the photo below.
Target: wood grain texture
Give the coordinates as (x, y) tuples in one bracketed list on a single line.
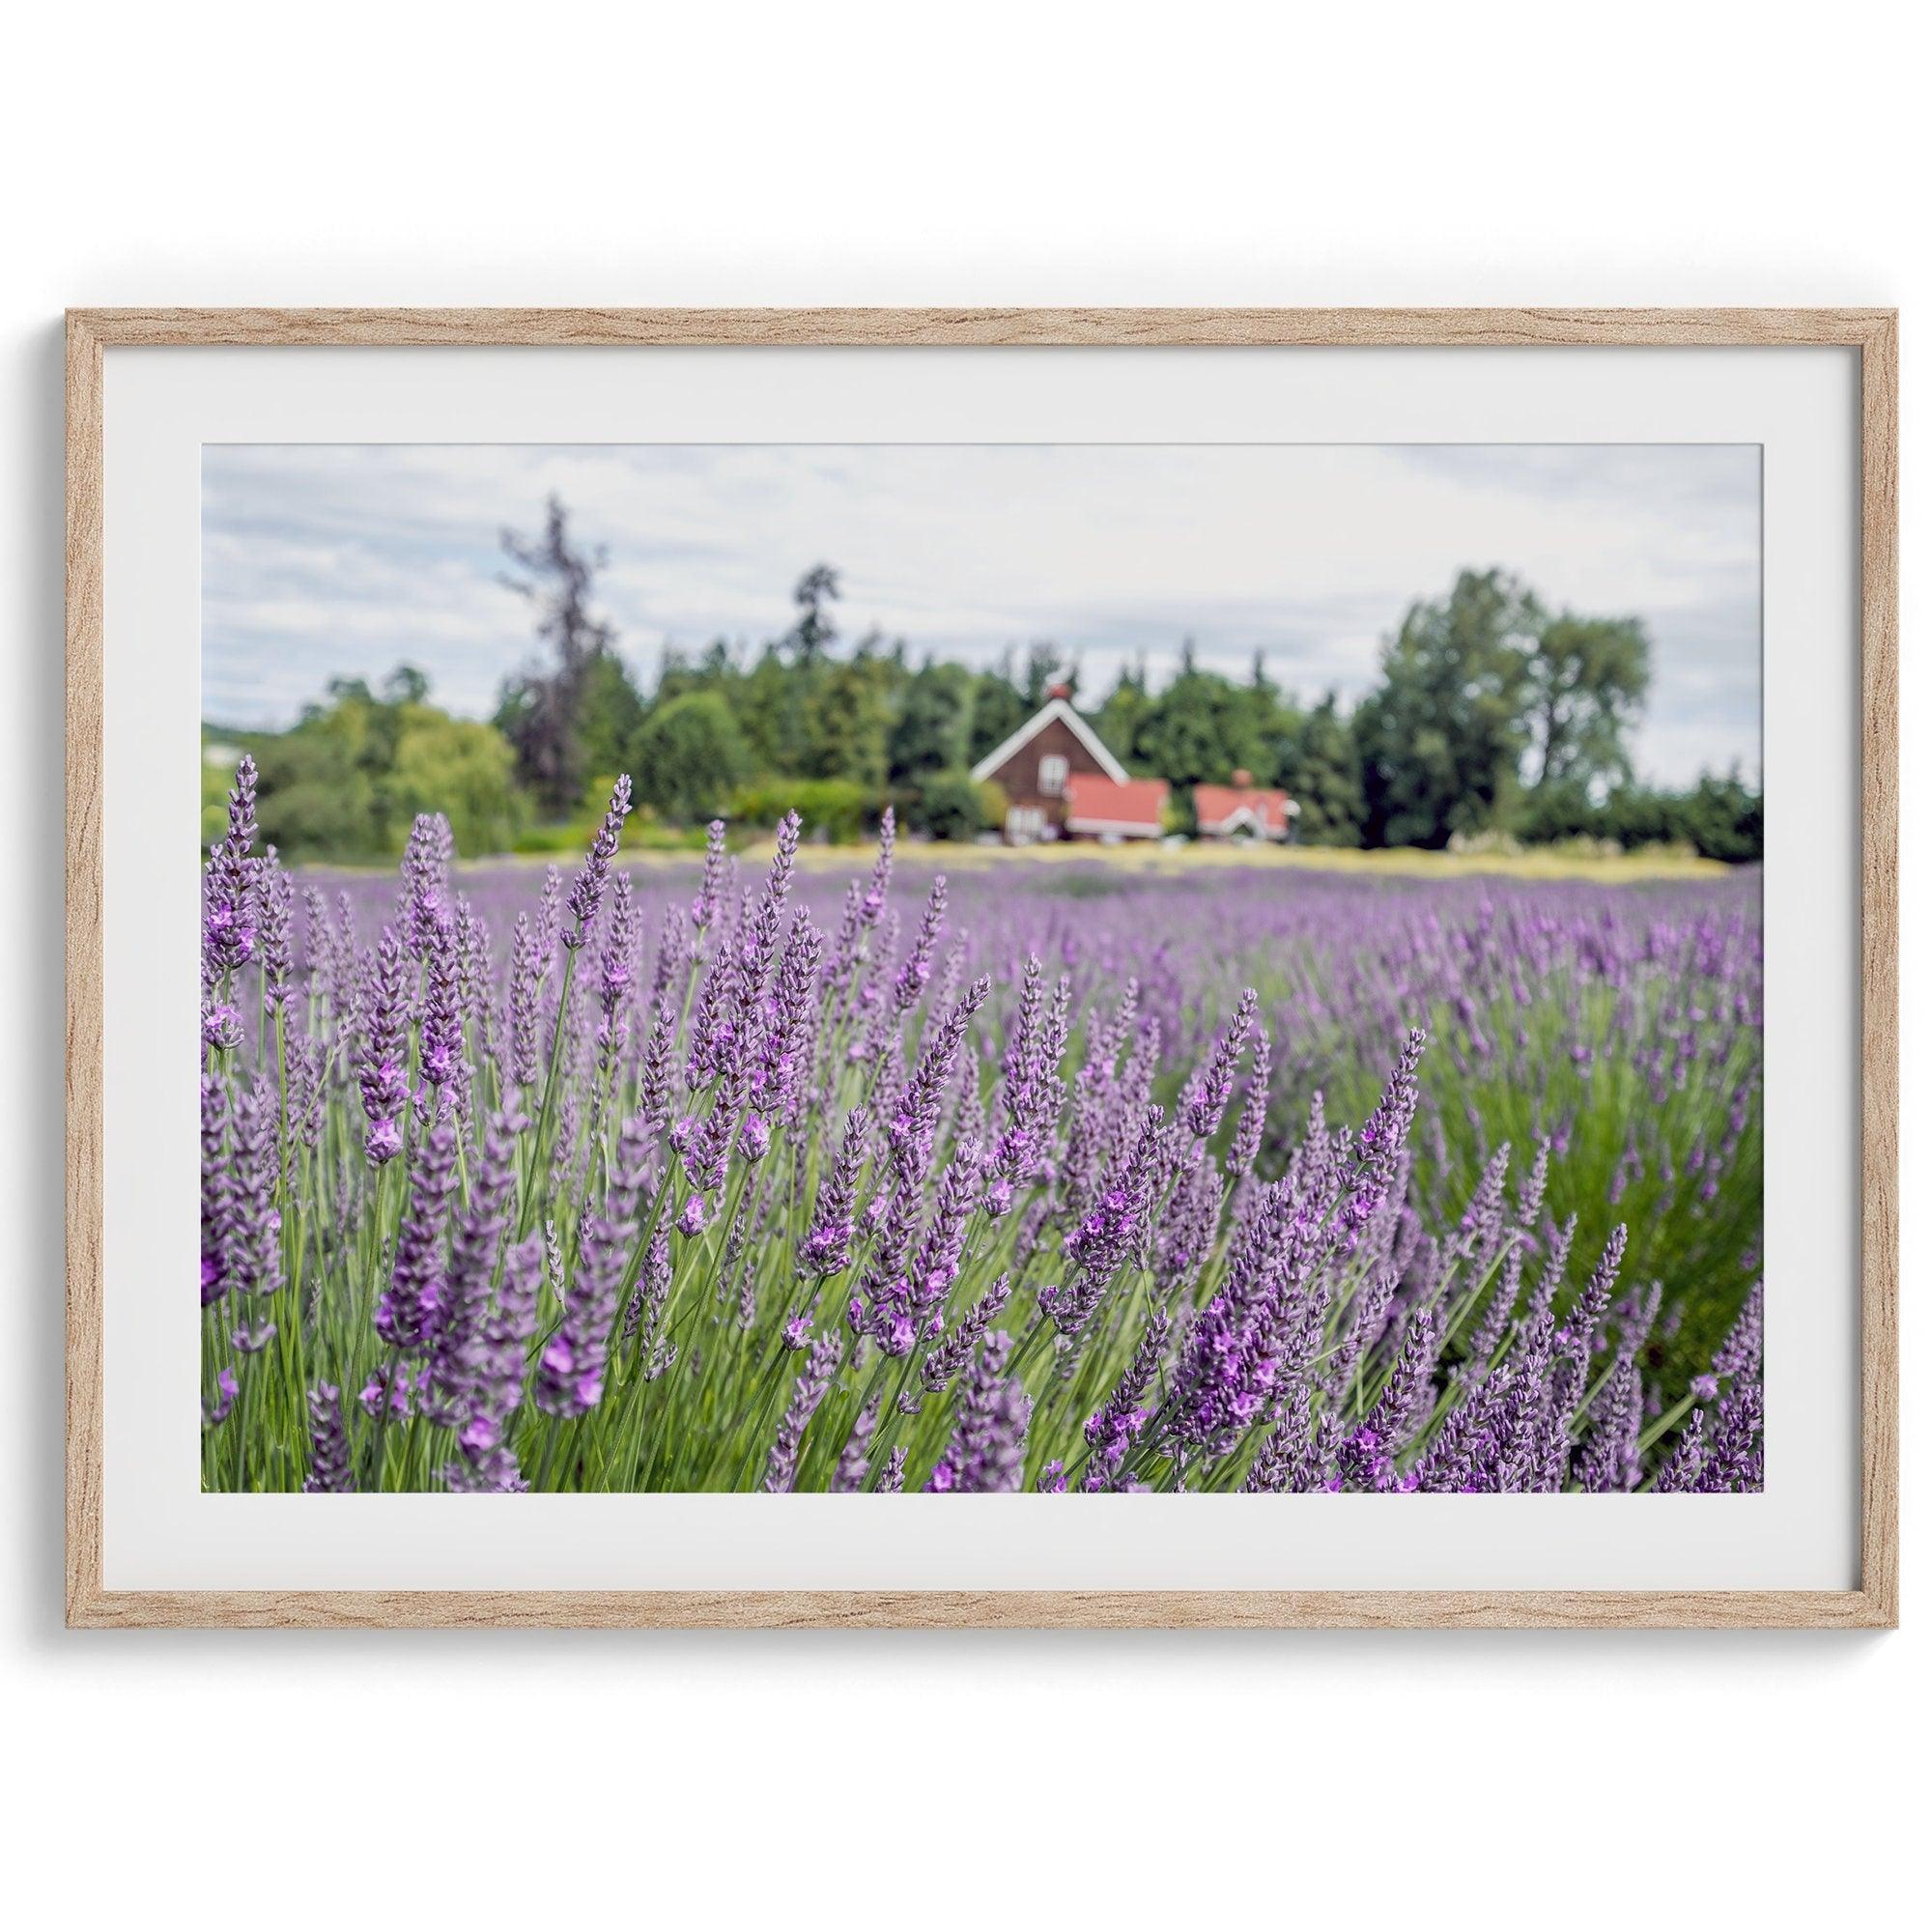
[(85, 1392), (974, 327), (1873, 332), (1879, 949), (985, 1610)]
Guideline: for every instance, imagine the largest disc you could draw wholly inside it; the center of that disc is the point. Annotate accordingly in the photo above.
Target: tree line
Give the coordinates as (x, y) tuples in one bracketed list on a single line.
[(1492, 714)]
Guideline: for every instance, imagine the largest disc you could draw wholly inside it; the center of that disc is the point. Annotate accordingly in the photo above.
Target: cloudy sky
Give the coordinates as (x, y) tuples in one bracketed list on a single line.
[(324, 560)]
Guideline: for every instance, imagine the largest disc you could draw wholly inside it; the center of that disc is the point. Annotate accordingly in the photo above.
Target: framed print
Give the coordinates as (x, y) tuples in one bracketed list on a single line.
[(1118, 968)]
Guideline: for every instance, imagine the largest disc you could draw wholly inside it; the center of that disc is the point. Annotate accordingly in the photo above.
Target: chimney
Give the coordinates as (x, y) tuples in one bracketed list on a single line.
[(1244, 779), (1060, 691)]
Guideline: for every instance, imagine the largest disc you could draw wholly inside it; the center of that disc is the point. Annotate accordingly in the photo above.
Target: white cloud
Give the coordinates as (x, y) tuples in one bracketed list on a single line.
[(327, 560)]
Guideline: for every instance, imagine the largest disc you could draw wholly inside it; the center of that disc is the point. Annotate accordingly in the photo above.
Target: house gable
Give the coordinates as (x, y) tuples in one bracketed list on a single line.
[(1068, 734), (1221, 811)]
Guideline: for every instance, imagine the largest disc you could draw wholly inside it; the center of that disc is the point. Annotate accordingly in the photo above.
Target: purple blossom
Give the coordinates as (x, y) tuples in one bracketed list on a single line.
[(329, 1469), (406, 1309), (807, 1392), (385, 1081), (987, 1451), (827, 1246), (586, 893)]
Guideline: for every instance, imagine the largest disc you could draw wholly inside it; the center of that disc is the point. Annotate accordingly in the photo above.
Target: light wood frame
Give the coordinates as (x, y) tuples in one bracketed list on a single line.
[(1872, 332)]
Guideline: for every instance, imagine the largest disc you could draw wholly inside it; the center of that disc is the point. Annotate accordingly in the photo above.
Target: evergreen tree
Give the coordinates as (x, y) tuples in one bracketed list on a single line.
[(1119, 718), (997, 710), (929, 733), (1321, 770), (812, 635), (845, 719), (1200, 730)]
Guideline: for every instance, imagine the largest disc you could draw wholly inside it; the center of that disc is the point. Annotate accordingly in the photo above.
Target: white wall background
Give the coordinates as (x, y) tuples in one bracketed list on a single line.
[(1479, 153)]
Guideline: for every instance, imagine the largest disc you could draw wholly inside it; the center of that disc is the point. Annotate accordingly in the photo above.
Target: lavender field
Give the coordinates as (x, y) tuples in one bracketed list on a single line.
[(1073, 1180)]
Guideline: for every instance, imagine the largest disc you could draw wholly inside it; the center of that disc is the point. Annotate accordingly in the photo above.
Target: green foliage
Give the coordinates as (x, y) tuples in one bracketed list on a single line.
[(847, 711), (1441, 737), (1719, 818), (832, 809), (688, 757), (950, 804), (1588, 677), (813, 595), (765, 702), (609, 712), (1317, 765), (999, 710), (1491, 719), (1200, 730), (318, 798), (1043, 670), (1119, 718), (930, 734), (348, 780), (462, 769)]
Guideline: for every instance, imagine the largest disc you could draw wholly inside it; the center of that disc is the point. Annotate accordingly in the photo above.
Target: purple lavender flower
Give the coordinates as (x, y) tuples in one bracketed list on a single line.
[(1213, 1086), (426, 862), (777, 1087), (586, 893), (1113, 1428), (464, 1302), (529, 970), (1609, 1460), (218, 1191), (910, 1130), (493, 1380), (909, 987), (386, 1089), (230, 909), (253, 1251), (987, 1452), (1253, 1121), (807, 1392), (704, 907), (827, 1248), (1679, 1475), (277, 909), (1380, 1144), (406, 1309), (227, 1387), (440, 1041), (570, 1371), (328, 1472), (849, 1477)]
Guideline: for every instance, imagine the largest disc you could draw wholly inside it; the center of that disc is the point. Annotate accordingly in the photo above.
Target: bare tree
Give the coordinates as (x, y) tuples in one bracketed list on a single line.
[(542, 711)]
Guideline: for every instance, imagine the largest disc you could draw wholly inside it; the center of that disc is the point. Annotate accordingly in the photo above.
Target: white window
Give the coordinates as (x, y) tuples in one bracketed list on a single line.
[(1052, 775)]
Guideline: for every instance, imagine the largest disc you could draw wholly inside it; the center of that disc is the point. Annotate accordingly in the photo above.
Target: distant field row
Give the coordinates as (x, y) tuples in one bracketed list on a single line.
[(1401, 862)]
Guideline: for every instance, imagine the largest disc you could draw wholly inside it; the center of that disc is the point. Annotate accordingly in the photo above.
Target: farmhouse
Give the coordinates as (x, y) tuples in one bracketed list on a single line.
[(1062, 782), (1244, 811)]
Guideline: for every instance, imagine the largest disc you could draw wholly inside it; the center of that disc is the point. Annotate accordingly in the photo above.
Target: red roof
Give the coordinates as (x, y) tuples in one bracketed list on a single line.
[(1094, 799), (1215, 804)]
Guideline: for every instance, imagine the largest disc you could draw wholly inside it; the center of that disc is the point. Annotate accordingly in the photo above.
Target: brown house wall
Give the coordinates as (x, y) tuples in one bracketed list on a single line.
[(1019, 777)]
